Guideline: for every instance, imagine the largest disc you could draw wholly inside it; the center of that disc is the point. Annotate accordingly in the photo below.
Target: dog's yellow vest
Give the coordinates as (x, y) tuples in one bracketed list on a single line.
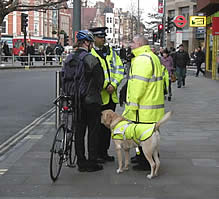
[(125, 130)]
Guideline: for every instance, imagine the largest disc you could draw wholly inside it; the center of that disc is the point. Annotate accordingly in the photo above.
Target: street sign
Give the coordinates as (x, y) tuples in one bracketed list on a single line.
[(215, 25), (160, 6), (180, 21), (197, 21)]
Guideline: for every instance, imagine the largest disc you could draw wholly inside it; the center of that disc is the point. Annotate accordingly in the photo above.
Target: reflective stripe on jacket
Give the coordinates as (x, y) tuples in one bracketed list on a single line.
[(113, 76), (125, 130), (145, 93)]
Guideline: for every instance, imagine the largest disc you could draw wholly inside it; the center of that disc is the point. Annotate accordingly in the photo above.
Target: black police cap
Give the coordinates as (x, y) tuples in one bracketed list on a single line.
[(99, 31)]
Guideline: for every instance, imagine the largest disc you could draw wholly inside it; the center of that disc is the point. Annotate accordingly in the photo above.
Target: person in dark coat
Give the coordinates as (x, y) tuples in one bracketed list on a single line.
[(199, 59), (49, 53), (91, 105), (6, 51), (30, 52), (181, 60)]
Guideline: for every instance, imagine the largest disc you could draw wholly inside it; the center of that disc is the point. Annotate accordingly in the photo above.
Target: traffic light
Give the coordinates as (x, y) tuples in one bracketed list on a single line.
[(66, 40), (24, 22), (160, 28), (169, 24), (154, 37)]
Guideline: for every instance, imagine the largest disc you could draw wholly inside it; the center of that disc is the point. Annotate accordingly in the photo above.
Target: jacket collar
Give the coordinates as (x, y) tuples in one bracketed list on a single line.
[(140, 50)]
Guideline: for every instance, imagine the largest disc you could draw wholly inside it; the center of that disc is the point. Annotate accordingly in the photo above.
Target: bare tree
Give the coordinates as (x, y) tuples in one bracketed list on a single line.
[(8, 6)]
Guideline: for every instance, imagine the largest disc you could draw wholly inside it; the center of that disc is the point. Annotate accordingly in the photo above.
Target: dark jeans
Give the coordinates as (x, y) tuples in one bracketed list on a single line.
[(105, 133), (199, 69), (90, 114), (181, 76)]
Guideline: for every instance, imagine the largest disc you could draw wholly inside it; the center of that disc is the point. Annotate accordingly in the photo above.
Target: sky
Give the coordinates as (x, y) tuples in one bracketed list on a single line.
[(146, 6)]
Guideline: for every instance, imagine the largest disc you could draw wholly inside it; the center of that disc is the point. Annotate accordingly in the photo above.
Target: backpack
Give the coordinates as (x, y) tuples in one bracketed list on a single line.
[(73, 77)]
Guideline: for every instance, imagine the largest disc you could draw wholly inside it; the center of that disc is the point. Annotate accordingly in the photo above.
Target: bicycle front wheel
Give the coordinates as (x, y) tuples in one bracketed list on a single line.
[(57, 153)]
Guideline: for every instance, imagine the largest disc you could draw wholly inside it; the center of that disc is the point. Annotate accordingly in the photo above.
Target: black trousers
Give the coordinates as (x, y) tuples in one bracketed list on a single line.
[(199, 69), (90, 119), (104, 133)]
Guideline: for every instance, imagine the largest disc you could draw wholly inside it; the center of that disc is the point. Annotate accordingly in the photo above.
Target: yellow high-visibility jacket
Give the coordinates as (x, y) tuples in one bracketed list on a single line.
[(125, 130), (113, 72), (145, 91)]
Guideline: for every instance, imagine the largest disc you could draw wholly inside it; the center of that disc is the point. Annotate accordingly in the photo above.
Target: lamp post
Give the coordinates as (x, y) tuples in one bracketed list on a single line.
[(76, 17)]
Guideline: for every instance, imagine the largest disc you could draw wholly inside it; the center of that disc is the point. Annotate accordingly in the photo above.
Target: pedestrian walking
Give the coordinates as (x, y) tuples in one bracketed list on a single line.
[(49, 54), (181, 60), (58, 51), (199, 59), (30, 52), (167, 61), (6, 51), (145, 90), (114, 73), (22, 54), (90, 104)]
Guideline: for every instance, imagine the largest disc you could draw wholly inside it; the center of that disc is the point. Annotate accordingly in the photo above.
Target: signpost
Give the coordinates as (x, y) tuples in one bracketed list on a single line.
[(197, 21), (215, 26), (180, 21)]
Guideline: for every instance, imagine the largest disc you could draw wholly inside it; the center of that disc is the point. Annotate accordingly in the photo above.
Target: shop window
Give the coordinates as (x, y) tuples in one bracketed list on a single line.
[(185, 12)]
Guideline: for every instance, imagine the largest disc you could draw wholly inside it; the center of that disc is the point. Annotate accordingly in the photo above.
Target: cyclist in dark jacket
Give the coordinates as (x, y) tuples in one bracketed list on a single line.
[(181, 60), (199, 59), (91, 106)]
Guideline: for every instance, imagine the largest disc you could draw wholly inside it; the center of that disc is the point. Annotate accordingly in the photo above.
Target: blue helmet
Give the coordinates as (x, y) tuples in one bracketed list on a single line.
[(85, 35)]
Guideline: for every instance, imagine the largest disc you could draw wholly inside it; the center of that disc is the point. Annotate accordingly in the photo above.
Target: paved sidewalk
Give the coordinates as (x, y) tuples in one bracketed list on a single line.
[(189, 158)]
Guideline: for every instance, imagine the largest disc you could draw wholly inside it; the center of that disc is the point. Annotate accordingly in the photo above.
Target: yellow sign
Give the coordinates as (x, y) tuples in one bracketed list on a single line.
[(197, 21)]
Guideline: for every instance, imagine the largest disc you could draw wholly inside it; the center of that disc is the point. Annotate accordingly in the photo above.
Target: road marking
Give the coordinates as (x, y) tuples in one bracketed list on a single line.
[(2, 171), (22, 133)]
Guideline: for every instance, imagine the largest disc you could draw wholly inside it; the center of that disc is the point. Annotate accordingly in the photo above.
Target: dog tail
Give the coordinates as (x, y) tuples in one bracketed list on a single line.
[(163, 120)]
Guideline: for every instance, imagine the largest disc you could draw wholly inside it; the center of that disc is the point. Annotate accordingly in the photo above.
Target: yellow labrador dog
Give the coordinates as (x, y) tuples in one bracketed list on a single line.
[(128, 135)]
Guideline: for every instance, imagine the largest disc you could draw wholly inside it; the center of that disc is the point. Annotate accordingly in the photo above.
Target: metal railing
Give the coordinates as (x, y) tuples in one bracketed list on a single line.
[(32, 60)]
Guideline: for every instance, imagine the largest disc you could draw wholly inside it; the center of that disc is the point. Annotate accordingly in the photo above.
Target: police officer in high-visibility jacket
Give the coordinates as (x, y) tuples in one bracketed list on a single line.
[(114, 73), (145, 91)]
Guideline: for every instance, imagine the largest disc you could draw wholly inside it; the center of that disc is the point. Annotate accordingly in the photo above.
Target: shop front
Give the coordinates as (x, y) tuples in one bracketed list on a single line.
[(212, 46)]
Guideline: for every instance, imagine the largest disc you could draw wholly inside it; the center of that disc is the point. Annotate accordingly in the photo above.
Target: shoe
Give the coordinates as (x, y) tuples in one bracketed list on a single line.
[(94, 167), (100, 160), (108, 158), (178, 86), (169, 98), (141, 167)]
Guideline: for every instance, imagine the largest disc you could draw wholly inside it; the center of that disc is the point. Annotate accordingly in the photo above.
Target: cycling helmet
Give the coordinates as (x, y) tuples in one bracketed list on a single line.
[(85, 35)]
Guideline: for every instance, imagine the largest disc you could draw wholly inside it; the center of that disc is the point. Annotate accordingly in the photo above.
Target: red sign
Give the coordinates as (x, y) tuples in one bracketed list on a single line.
[(180, 21), (160, 6), (215, 26)]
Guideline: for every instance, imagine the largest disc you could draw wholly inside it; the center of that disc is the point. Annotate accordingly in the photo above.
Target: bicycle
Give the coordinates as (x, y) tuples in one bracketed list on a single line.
[(63, 144)]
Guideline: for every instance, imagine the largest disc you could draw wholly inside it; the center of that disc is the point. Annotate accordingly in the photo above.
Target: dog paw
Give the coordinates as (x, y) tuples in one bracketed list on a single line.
[(149, 176), (119, 171), (125, 168)]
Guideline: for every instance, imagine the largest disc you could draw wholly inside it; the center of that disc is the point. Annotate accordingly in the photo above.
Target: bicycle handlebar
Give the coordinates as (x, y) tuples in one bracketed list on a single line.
[(61, 97)]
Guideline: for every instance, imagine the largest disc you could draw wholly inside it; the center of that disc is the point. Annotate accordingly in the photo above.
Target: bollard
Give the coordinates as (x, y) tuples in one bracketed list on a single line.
[(58, 83)]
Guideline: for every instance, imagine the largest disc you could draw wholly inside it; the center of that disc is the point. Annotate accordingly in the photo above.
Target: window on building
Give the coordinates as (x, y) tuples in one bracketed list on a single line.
[(110, 19), (110, 30), (36, 28), (4, 27), (185, 12), (107, 20)]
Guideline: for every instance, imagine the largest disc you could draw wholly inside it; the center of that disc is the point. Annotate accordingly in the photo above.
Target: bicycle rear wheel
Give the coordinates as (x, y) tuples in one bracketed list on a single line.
[(57, 153)]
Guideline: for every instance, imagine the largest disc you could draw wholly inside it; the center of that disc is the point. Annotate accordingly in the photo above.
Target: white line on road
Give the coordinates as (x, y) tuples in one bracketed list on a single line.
[(22, 133)]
